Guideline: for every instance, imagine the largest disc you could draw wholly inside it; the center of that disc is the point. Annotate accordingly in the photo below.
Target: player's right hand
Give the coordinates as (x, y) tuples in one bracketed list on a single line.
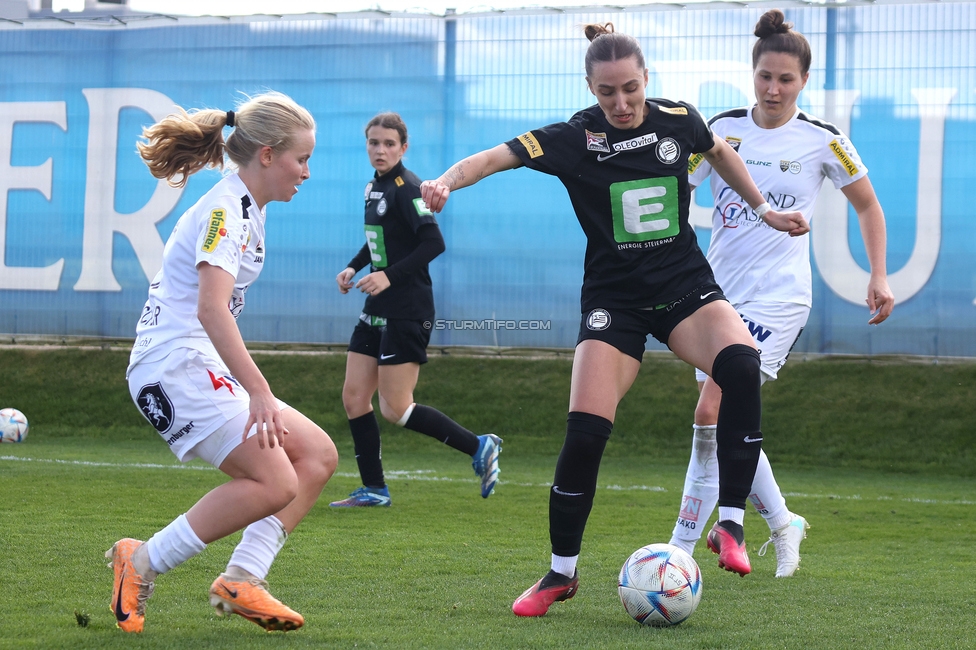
[(435, 194), (344, 279)]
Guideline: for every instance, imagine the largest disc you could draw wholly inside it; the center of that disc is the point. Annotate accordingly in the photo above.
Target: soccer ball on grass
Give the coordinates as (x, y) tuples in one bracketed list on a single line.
[(660, 585), (13, 425)]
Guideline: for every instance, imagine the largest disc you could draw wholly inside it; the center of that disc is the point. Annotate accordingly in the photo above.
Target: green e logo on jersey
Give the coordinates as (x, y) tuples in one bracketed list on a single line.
[(645, 209), (377, 247)]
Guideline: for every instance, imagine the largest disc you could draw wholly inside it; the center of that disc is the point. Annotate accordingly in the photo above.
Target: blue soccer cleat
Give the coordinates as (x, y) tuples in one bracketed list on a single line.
[(485, 462), (365, 497)]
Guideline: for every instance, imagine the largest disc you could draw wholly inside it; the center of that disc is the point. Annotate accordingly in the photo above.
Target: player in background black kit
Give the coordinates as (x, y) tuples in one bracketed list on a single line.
[(390, 342), (624, 163)]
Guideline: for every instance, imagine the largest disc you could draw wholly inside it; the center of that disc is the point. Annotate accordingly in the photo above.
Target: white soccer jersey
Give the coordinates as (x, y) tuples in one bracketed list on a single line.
[(225, 229), (751, 260)]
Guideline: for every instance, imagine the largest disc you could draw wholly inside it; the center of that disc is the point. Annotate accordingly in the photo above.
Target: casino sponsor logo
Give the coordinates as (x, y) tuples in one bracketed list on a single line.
[(733, 142), (381, 207), (597, 142), (791, 166), (695, 162), (598, 319), (668, 151), (842, 156), (156, 406), (399, 181), (677, 110), (531, 144), (215, 230)]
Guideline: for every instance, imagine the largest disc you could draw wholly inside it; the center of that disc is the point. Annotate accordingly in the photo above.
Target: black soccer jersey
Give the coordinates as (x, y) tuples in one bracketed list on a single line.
[(630, 191), (394, 213)]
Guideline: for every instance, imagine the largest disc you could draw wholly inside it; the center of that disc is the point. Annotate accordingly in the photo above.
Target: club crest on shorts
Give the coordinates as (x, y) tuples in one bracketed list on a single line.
[(599, 319), (155, 405)]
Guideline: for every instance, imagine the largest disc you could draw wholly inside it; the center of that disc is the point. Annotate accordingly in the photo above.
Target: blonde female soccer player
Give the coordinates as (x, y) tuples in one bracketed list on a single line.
[(192, 377), (765, 274), (624, 163)]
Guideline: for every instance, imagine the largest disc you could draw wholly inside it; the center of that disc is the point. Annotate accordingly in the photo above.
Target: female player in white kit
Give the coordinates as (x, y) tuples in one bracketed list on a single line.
[(624, 164), (192, 377), (766, 274)]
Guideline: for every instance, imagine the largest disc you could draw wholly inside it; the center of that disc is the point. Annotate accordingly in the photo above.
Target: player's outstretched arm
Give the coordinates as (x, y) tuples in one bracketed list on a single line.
[(467, 172), (870, 216), (730, 167)]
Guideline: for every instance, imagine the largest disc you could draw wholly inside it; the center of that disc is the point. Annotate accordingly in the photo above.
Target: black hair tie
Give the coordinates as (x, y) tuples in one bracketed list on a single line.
[(230, 118)]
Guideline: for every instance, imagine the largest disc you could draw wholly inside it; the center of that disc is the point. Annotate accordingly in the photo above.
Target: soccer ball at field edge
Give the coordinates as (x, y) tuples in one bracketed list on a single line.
[(13, 425), (660, 585)]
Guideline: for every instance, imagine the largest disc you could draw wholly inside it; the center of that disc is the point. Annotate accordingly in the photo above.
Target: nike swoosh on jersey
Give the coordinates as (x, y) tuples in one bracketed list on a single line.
[(601, 157), (748, 439), (708, 294)]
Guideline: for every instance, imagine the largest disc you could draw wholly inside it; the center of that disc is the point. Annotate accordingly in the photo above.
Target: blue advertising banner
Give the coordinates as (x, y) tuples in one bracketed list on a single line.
[(83, 223)]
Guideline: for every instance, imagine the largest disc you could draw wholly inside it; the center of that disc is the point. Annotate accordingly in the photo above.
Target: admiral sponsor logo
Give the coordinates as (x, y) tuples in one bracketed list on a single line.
[(695, 162), (399, 181), (599, 319), (531, 144), (635, 143), (758, 163), (215, 230), (185, 429), (597, 142), (677, 110), (792, 166), (733, 142), (848, 164), (668, 151)]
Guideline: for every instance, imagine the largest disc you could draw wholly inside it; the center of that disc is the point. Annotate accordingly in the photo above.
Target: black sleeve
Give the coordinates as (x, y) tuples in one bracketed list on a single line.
[(361, 259), (554, 149), (431, 245)]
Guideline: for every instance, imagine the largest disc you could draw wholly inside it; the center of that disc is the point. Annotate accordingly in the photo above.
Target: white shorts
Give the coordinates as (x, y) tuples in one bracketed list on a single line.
[(775, 327), (194, 403)]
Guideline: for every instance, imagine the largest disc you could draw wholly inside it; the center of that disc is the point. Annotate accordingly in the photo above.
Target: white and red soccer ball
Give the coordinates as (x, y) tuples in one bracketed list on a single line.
[(660, 585)]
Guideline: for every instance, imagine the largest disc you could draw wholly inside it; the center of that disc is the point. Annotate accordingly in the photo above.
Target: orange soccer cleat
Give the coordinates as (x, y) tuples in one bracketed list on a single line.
[(129, 589), (250, 599)]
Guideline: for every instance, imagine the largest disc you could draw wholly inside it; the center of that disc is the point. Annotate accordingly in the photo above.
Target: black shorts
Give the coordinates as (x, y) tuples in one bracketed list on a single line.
[(391, 341), (627, 329)]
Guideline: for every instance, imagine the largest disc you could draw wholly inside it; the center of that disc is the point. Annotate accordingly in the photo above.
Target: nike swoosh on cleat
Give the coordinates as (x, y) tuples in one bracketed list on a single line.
[(120, 616), (748, 439), (707, 294), (601, 157), (231, 592)]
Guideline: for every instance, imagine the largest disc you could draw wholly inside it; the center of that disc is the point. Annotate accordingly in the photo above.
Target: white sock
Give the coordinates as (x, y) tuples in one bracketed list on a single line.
[(726, 513), (767, 497), (261, 542), (700, 491), (173, 545), (402, 422), (564, 565)]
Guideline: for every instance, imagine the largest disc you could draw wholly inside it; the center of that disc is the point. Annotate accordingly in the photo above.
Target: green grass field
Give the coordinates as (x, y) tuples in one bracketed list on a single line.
[(878, 456)]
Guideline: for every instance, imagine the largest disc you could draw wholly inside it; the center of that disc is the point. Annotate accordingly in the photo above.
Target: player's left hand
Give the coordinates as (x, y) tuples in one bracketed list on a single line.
[(374, 283), (880, 300), (790, 222)]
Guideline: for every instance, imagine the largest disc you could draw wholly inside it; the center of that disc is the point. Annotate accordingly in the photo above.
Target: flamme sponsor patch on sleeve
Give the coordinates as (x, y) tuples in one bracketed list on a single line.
[(215, 230), (694, 162), (842, 156), (531, 144)]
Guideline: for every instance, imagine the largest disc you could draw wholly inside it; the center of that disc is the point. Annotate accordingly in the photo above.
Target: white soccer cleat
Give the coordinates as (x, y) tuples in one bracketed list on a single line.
[(786, 541)]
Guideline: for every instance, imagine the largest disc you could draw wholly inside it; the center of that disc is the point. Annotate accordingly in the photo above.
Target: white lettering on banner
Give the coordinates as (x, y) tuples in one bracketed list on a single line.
[(101, 218), (831, 246), (37, 177)]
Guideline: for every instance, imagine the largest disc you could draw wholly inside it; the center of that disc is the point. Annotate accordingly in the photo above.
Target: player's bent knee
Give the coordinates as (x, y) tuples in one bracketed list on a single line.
[(737, 368)]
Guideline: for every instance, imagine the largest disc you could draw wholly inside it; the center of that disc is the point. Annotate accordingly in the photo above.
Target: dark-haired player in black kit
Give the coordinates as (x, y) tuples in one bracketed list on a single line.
[(624, 163), (390, 341)]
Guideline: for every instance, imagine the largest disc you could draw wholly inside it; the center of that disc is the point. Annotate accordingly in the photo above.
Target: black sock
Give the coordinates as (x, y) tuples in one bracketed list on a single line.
[(369, 452), (431, 422), (574, 485), (739, 440), (735, 529)]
